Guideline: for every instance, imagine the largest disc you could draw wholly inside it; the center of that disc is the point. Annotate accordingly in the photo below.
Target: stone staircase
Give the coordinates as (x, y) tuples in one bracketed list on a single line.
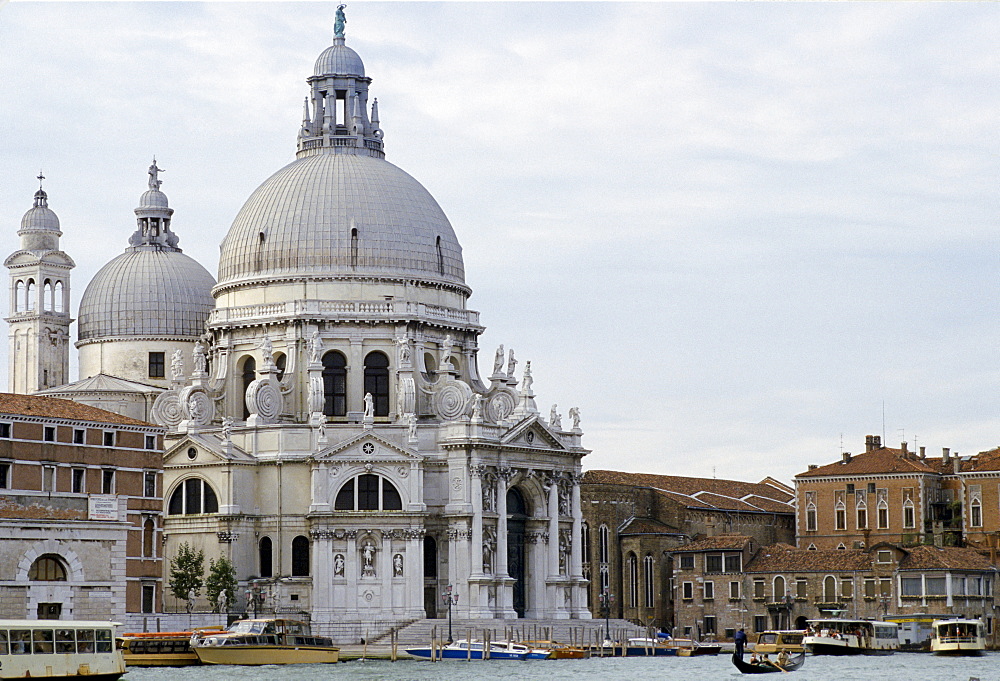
[(583, 632)]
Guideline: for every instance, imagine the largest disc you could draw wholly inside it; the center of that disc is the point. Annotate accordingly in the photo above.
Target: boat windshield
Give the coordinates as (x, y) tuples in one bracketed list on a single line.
[(247, 627)]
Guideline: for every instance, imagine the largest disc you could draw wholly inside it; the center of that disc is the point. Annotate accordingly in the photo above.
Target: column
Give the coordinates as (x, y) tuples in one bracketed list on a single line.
[(413, 569), (351, 574), (500, 569), (579, 589), (384, 575), (553, 527), (477, 519), (322, 575)]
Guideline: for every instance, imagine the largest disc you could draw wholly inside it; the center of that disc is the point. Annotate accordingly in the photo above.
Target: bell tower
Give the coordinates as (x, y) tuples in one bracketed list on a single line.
[(39, 320)]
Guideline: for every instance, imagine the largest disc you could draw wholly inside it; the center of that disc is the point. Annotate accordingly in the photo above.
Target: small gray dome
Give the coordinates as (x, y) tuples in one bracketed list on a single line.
[(40, 216), (340, 60), (341, 214), (147, 292), (153, 198)]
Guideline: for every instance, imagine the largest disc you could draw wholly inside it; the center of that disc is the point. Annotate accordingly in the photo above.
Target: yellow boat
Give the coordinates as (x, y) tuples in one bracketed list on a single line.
[(560, 651), (265, 641)]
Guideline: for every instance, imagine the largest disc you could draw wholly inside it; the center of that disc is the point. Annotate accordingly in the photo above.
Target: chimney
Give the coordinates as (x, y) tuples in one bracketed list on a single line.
[(903, 451), (877, 439), (945, 454), (813, 466), (923, 453), (846, 457), (956, 462), (869, 443)]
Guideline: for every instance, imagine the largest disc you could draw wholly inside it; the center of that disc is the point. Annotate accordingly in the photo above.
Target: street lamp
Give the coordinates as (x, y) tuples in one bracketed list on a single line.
[(450, 598), (255, 595), (607, 600)]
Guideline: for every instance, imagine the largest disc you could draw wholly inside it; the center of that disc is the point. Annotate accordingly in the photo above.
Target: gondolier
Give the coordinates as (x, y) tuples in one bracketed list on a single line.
[(741, 640)]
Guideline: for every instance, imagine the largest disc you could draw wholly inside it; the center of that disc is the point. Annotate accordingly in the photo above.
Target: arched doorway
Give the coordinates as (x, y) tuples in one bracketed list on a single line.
[(517, 515)]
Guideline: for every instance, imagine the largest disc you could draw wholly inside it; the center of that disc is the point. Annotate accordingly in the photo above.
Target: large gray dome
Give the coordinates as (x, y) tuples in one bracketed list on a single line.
[(331, 215), (339, 59), (147, 292)]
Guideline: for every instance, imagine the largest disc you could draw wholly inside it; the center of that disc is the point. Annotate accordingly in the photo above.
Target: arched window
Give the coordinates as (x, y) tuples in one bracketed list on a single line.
[(300, 557), (648, 580), (430, 367), (148, 534), (861, 507), (280, 360), (440, 256), (632, 565), (20, 301), (585, 542), (249, 374), (603, 544), (830, 589), (779, 589), (810, 517), (840, 515), (883, 515), (264, 557), (334, 384), (354, 247), (59, 306), (47, 302), (909, 518), (47, 568), (368, 492), (193, 496), (30, 300), (976, 513), (377, 381)]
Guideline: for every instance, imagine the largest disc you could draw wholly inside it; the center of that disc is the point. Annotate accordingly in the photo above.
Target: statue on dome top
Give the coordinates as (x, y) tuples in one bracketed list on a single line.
[(339, 22), (154, 181)]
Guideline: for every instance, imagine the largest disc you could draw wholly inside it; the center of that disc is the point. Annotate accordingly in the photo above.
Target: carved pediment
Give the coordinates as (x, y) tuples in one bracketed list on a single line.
[(531, 432), (202, 449), (367, 447)]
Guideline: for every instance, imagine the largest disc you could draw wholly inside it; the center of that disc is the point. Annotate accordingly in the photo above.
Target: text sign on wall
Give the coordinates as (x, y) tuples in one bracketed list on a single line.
[(103, 507)]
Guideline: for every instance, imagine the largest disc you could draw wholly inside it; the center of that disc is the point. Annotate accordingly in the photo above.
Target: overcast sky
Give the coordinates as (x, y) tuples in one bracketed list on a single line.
[(734, 234)]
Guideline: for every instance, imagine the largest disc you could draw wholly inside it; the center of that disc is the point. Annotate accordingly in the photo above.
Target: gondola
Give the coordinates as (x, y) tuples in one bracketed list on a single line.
[(794, 662)]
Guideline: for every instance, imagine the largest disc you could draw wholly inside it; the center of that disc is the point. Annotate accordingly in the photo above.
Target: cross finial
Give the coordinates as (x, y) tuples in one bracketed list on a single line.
[(40, 178)]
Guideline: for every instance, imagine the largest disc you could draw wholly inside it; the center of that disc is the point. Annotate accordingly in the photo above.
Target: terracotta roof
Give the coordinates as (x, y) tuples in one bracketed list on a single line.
[(55, 408), (734, 495), (721, 542), (785, 558), (884, 460), (646, 526), (948, 558)]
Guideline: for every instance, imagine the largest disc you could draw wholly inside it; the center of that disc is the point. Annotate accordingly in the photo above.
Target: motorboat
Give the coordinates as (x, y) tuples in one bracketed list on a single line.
[(465, 649), (767, 666), (161, 648), (560, 651), (59, 649), (688, 647), (652, 647), (958, 637), (837, 636), (773, 642), (264, 641)]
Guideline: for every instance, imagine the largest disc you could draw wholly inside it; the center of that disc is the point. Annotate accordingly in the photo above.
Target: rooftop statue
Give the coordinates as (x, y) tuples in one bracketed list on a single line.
[(339, 22), (154, 182)]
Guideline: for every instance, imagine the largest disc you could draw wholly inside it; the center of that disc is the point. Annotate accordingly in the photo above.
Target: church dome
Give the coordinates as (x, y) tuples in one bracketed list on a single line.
[(340, 214), (152, 289), (40, 217), (339, 59), (147, 292)]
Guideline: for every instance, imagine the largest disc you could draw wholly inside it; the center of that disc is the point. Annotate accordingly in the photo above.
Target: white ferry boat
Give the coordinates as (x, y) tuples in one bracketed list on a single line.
[(958, 637), (59, 649), (262, 641), (837, 636)]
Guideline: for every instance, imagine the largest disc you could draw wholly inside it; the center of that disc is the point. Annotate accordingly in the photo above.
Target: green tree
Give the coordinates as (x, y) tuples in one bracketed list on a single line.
[(221, 580), (187, 570)]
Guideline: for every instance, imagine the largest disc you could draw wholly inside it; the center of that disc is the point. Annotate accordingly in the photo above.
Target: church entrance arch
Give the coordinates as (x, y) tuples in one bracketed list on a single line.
[(517, 516)]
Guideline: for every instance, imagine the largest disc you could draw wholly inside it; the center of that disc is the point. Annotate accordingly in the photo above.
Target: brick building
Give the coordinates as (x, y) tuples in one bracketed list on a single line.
[(899, 496), (80, 511), (726, 582), (633, 522)]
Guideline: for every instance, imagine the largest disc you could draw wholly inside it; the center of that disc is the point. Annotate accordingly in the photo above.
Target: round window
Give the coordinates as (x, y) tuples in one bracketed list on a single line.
[(192, 453), (368, 448), (530, 437)]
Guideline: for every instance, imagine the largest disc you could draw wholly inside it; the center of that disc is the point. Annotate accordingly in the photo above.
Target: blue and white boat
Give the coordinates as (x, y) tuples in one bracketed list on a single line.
[(463, 649)]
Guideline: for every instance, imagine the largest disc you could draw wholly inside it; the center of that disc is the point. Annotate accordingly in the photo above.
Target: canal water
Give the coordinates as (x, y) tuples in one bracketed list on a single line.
[(898, 667)]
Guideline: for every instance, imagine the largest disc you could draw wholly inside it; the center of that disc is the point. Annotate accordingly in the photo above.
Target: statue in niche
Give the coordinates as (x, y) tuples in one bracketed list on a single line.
[(227, 429), (338, 565), (527, 380), (511, 363), (489, 494), (177, 365), (339, 22), (574, 414), (498, 360), (412, 423), (198, 357), (154, 181), (369, 406), (564, 501), (488, 557), (555, 420), (397, 565), (563, 552), (315, 348), (368, 559)]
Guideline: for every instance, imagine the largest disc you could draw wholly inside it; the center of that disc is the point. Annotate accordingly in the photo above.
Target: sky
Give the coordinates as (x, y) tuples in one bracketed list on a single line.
[(738, 236)]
